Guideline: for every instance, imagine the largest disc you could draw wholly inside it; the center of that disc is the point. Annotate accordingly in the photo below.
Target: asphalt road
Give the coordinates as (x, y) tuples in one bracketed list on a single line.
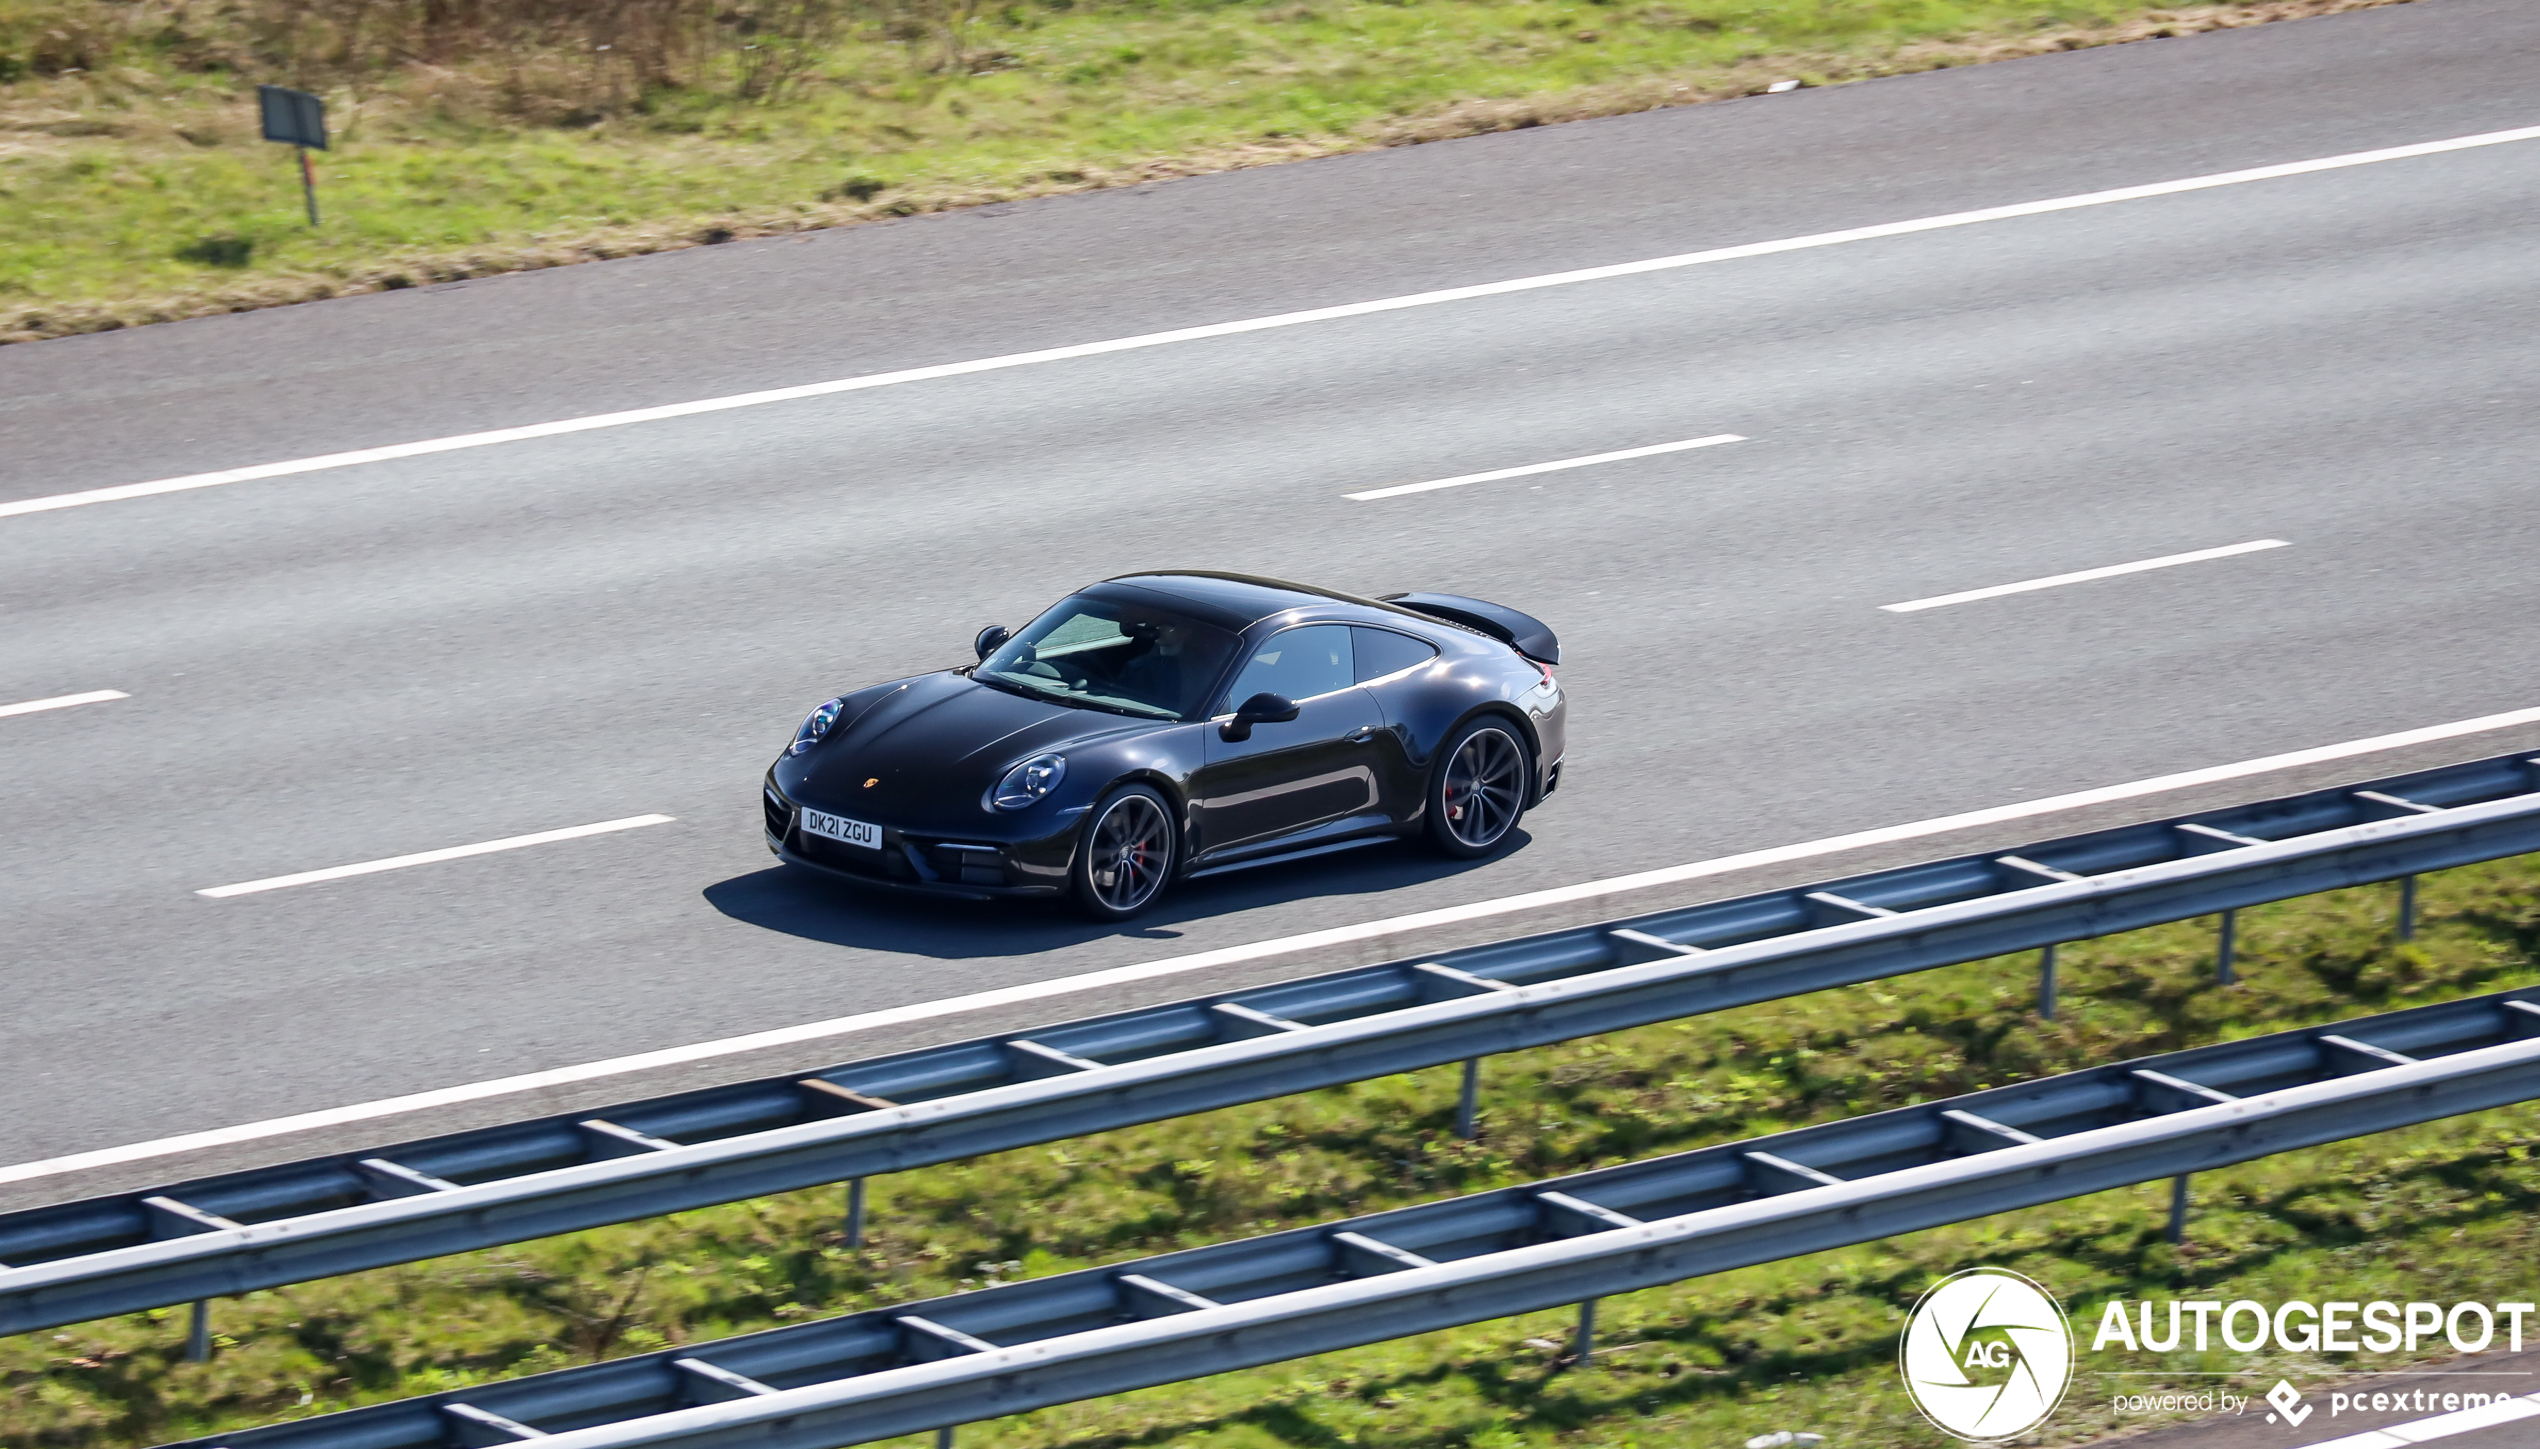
[(442, 650)]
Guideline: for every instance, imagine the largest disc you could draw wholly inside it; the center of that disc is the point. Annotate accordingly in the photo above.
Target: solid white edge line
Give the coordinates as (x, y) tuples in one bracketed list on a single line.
[(1261, 324), (1230, 955), (428, 857), (63, 701), (2441, 1426), (1531, 469), (2084, 576)]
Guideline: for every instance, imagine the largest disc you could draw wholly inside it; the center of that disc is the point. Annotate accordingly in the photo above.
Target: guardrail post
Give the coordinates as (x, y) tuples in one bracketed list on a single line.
[(1583, 1347), (2407, 908), (1466, 1108), (2178, 1208), (198, 1339), (943, 1437), (855, 1212), (2222, 955), (2046, 984)]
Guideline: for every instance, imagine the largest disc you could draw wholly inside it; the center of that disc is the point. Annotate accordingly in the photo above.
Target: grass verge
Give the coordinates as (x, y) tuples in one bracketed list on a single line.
[(2440, 1211), (133, 188)]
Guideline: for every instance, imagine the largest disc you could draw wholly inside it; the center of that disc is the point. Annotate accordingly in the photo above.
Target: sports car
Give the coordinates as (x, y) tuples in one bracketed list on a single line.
[(1165, 726)]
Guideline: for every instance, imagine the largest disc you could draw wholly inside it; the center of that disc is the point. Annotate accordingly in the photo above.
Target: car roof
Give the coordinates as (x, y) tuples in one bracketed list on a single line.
[(1233, 601)]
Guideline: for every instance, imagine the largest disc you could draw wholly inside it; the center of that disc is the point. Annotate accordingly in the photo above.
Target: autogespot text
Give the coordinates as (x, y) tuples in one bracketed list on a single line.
[(2244, 1326), (2298, 1327)]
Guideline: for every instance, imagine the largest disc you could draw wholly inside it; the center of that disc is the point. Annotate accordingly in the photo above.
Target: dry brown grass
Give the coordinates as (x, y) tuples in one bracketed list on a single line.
[(1474, 118)]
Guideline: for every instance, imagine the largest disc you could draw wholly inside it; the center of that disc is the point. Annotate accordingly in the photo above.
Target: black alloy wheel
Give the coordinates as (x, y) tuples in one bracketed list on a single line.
[(1127, 855), (1478, 789)]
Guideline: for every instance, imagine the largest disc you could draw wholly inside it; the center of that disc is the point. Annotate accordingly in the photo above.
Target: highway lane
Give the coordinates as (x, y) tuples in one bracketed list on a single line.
[(447, 650), (491, 352)]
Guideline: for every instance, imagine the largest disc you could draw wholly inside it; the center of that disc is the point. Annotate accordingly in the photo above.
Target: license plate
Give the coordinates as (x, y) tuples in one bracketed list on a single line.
[(839, 828)]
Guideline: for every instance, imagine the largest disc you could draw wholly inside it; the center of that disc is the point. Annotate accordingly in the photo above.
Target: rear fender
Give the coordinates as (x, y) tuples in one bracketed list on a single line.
[(1501, 709)]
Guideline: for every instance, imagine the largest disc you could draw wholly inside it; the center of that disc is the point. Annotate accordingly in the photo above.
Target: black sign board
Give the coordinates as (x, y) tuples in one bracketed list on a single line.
[(295, 118)]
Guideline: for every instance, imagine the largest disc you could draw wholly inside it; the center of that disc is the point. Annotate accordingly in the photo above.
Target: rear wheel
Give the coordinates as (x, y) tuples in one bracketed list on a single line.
[(1477, 790), (1127, 855)]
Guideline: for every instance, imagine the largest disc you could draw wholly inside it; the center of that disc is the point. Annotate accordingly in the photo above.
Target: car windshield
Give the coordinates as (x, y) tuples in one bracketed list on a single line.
[(1112, 655)]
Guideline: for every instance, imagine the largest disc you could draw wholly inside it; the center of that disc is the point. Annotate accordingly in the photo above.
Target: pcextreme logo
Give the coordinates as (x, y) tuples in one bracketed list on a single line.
[(1987, 1355)]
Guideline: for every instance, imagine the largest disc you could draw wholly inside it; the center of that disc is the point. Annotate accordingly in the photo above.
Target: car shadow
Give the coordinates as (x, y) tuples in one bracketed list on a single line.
[(796, 902)]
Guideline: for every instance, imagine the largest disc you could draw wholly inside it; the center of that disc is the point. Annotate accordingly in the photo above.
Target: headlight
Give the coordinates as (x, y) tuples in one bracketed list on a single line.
[(814, 727), (1029, 781)]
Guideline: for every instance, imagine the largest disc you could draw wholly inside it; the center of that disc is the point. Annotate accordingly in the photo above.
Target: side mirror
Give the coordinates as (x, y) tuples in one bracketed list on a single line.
[(989, 638), (1262, 708)]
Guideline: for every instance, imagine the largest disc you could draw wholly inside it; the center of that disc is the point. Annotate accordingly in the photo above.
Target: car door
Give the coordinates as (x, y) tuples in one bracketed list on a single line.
[(1288, 779)]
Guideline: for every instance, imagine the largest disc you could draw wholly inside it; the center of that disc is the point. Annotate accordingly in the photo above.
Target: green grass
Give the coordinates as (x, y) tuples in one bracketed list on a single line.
[(2444, 1210), (135, 188)]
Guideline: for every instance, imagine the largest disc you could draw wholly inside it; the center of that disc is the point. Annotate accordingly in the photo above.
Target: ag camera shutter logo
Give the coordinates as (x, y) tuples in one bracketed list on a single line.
[(1987, 1355)]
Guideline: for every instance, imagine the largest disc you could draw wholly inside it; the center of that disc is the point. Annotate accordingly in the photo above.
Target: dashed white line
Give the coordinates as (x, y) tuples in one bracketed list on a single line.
[(2053, 581), (1262, 324), (1531, 469), (1230, 955), (428, 857), (63, 701)]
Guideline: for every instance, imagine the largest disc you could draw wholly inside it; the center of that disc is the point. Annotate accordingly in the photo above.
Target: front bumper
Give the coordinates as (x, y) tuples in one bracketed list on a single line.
[(945, 889), (926, 864)]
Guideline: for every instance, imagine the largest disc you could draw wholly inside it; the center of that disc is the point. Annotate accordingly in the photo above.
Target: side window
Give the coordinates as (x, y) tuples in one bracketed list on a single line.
[(1382, 652), (1298, 663)]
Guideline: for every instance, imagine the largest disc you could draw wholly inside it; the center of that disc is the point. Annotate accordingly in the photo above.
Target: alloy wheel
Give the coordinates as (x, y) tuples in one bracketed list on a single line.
[(1485, 787), (1131, 850)]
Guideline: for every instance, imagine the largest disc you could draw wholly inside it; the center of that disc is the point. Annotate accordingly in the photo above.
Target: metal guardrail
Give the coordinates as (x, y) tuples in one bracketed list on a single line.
[(286, 1224), (1005, 1350)]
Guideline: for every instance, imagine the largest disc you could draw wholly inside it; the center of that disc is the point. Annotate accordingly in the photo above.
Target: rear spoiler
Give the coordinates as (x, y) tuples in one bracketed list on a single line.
[(1524, 633)]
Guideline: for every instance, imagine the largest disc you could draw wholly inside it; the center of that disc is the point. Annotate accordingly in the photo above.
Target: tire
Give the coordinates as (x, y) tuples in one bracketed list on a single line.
[(1127, 854), (1478, 788)]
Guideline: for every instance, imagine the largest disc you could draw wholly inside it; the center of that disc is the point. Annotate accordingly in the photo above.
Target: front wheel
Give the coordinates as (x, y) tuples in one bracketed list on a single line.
[(1478, 788), (1127, 855)]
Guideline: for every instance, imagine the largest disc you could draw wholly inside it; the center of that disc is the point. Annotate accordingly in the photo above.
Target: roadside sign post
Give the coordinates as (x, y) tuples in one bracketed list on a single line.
[(296, 118)]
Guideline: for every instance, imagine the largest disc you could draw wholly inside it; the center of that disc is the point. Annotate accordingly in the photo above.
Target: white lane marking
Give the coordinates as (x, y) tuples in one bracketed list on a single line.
[(63, 701), (2084, 576), (428, 857), (1229, 955), (2441, 1426), (1530, 469), (1261, 324)]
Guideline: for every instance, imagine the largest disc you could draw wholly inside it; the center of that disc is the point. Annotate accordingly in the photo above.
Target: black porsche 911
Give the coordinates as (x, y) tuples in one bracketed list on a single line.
[(1162, 726)]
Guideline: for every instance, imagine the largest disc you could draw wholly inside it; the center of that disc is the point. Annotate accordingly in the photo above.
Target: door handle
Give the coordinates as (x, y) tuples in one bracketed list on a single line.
[(1360, 735)]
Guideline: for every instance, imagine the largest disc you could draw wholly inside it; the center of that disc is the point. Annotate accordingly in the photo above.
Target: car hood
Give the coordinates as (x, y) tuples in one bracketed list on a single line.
[(930, 745)]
